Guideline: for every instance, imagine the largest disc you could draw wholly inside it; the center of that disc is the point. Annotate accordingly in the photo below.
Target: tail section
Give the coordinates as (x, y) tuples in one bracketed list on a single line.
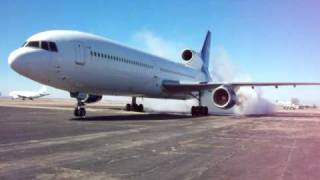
[(205, 56)]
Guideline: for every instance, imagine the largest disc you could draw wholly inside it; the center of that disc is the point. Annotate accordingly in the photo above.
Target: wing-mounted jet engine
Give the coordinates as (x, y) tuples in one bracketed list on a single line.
[(224, 97)]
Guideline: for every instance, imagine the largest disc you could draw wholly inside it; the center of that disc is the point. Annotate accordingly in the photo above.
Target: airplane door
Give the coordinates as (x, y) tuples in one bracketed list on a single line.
[(81, 53)]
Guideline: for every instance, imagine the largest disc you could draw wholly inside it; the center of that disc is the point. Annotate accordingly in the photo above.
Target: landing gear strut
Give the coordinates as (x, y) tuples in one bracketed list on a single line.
[(80, 110), (134, 106), (199, 110)]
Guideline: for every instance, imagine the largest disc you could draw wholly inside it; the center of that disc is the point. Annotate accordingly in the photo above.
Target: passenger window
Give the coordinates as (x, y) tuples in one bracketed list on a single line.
[(44, 45), (53, 47)]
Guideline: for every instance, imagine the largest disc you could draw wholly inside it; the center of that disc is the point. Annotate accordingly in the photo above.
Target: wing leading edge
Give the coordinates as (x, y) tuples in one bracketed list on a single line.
[(175, 86)]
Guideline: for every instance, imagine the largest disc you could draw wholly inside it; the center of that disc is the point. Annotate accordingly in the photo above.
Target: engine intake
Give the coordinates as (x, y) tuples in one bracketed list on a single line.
[(192, 58), (187, 55), (224, 97)]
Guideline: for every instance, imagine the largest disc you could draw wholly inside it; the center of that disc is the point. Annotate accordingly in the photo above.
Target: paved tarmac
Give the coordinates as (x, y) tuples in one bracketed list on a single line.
[(48, 143)]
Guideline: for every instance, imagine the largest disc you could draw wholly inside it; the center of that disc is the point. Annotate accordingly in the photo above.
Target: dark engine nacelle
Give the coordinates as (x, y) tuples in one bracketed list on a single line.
[(224, 97), (92, 98)]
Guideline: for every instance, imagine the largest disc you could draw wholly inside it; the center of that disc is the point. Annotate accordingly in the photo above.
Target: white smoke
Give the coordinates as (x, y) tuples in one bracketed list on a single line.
[(222, 70), (250, 101)]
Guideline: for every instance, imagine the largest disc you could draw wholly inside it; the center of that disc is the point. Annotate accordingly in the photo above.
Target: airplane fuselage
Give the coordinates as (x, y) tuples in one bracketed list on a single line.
[(91, 64)]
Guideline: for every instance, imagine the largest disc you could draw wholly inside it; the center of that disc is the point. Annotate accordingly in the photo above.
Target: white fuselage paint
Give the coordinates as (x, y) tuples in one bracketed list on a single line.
[(75, 68)]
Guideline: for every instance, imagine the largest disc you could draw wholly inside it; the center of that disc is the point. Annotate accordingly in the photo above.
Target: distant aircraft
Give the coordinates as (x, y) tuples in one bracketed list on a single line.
[(90, 66), (288, 105), (29, 94)]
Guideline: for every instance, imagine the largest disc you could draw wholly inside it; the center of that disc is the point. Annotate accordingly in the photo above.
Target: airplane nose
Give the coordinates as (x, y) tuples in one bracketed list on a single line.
[(31, 63), (18, 62)]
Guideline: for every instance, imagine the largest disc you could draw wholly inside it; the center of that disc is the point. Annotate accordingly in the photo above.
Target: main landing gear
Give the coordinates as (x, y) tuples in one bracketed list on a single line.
[(80, 110), (134, 106), (199, 110)]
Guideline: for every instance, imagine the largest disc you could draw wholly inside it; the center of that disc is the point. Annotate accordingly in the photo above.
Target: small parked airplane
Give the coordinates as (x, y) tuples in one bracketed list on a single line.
[(29, 94), (90, 66)]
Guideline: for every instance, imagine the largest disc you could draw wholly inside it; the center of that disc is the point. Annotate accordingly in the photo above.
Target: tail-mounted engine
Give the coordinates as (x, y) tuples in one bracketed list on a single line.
[(224, 97), (192, 58)]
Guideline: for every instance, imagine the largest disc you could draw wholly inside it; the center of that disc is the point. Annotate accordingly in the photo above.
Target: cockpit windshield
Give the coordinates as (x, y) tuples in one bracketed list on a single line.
[(46, 45)]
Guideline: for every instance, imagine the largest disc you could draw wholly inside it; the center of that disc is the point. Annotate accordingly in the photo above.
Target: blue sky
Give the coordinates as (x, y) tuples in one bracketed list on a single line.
[(267, 40)]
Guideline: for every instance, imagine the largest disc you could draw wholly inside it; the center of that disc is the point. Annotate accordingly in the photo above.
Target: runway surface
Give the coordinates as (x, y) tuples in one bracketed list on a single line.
[(47, 143)]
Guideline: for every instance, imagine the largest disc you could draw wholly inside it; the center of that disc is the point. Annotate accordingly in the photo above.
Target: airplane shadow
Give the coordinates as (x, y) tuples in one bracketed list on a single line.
[(146, 117), (133, 117), (288, 115)]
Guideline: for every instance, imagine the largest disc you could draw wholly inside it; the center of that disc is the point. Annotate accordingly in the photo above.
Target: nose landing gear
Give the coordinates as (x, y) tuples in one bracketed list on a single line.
[(80, 110)]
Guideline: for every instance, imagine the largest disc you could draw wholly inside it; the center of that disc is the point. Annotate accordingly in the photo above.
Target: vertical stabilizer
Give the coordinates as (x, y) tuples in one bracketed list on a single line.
[(205, 55)]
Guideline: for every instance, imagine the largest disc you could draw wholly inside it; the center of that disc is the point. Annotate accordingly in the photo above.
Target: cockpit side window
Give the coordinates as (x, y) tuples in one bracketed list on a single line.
[(34, 44), (53, 47), (44, 45)]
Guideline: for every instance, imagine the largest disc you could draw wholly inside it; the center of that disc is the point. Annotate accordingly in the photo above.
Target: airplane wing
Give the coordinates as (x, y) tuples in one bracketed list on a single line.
[(21, 96), (177, 87), (44, 94), (41, 95)]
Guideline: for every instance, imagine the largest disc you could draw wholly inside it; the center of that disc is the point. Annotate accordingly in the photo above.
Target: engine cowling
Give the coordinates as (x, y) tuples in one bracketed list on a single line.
[(92, 98), (224, 97), (192, 58)]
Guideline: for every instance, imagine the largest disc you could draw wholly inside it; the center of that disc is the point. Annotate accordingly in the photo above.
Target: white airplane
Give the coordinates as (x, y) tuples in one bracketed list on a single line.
[(287, 105), (29, 94), (90, 66)]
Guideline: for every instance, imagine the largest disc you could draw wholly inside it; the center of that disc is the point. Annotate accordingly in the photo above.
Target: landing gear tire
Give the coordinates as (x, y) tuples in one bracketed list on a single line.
[(140, 108), (128, 107), (80, 112), (199, 111), (135, 107), (76, 112)]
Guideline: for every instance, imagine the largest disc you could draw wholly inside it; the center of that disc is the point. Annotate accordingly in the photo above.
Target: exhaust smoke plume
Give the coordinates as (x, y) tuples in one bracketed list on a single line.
[(250, 101)]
